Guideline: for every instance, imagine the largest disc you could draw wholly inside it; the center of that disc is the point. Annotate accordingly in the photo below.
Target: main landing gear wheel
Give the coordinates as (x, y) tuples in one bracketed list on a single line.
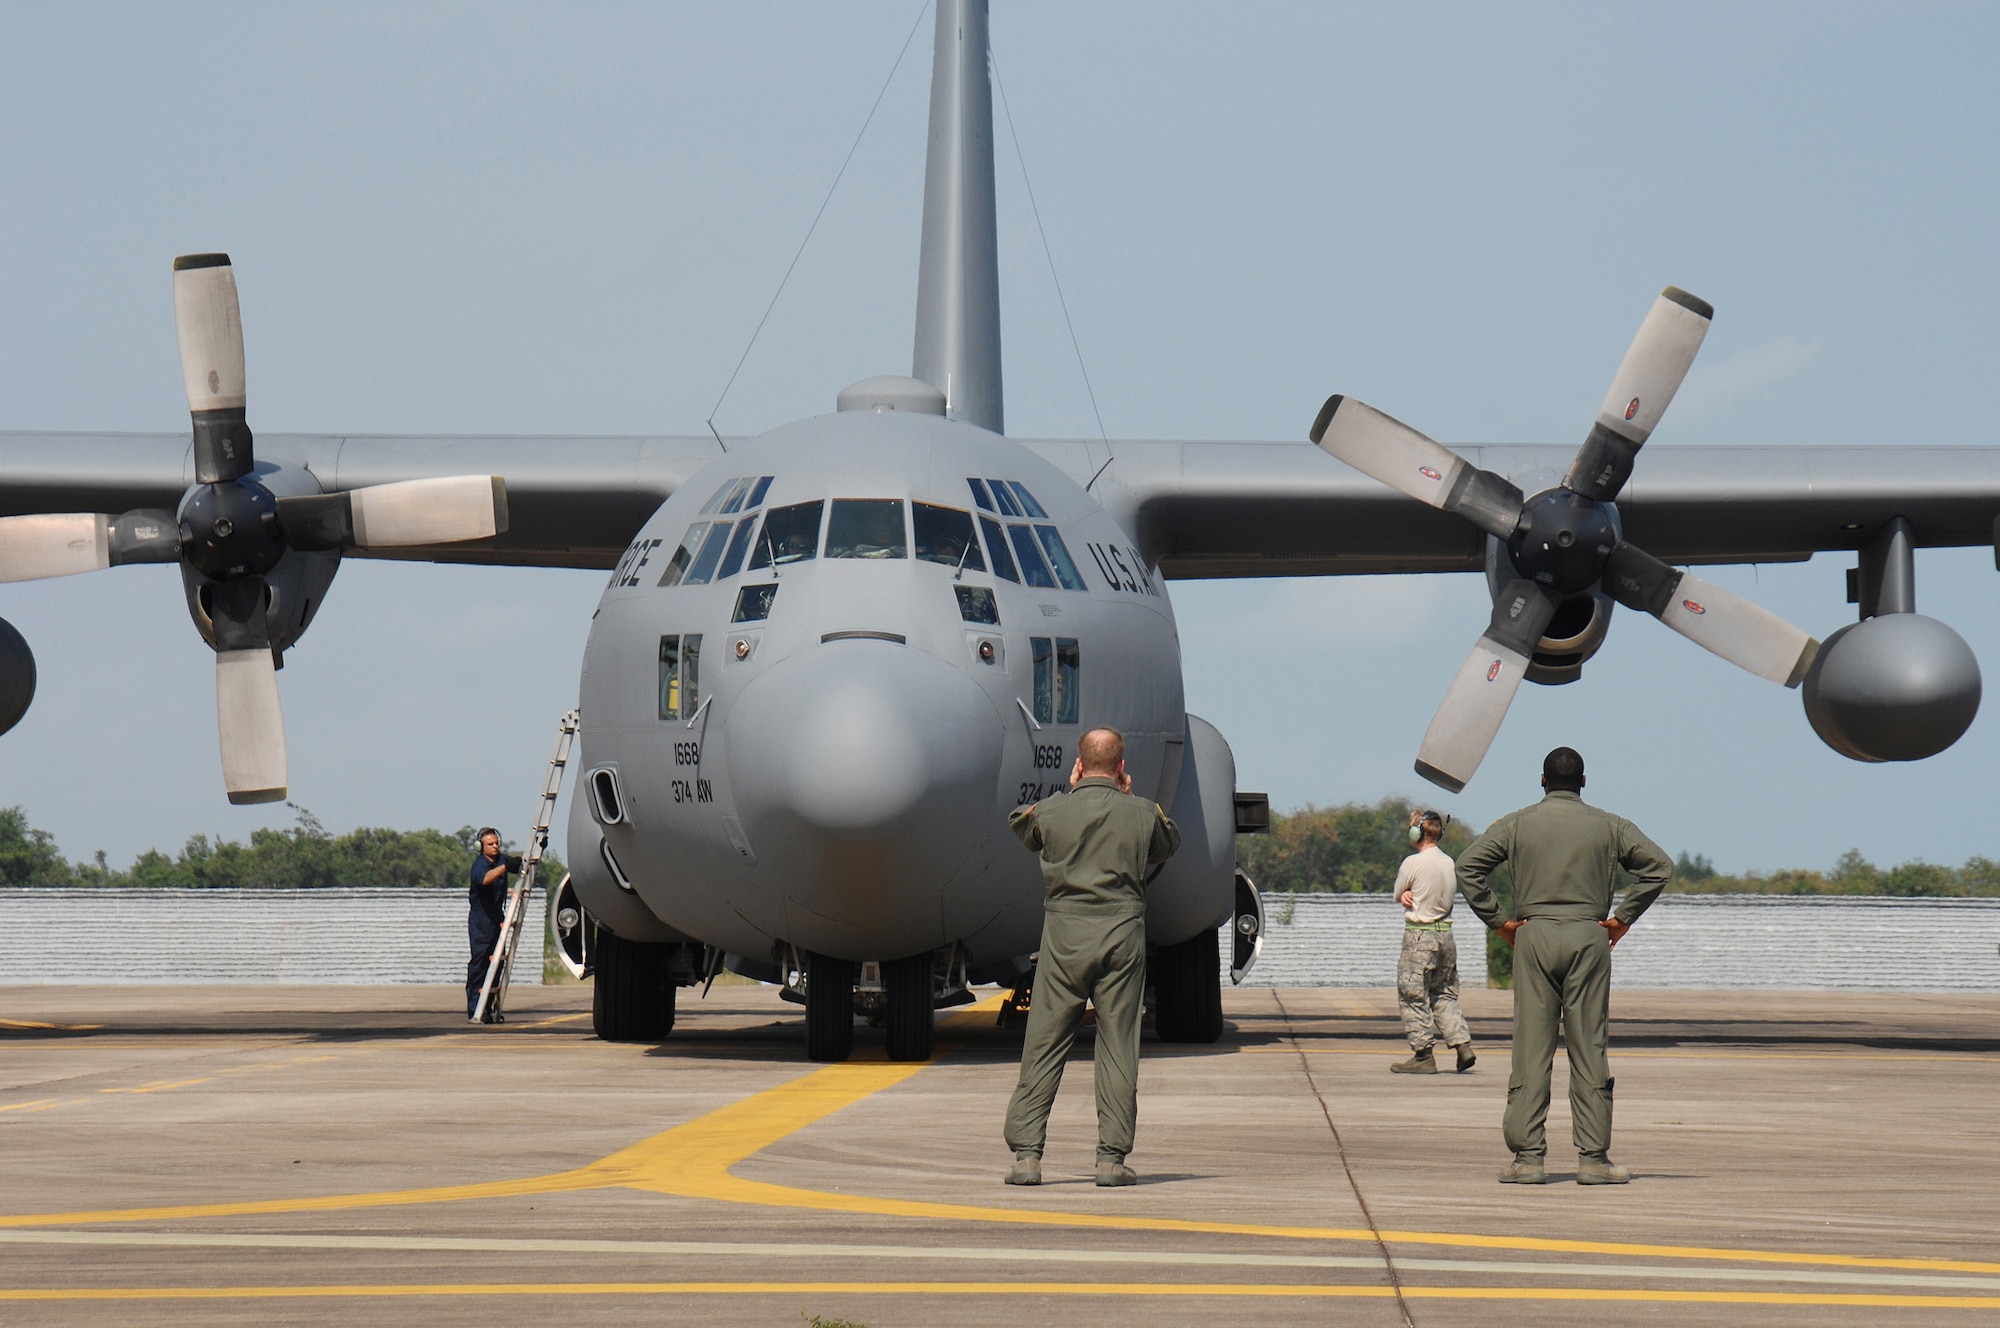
[(1187, 990), (633, 1000), (906, 986), (830, 1007)]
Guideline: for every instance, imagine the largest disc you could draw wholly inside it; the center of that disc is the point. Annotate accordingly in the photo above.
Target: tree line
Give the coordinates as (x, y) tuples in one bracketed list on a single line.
[(304, 857)]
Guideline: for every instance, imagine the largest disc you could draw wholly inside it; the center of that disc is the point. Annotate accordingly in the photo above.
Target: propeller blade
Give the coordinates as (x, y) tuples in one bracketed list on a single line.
[(1720, 621), (209, 324), (445, 510), (1405, 460), (1645, 383), (1477, 700), (57, 544), (249, 719)]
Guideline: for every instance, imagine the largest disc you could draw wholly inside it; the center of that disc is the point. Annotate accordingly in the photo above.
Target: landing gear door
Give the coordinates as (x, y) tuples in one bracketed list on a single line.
[(569, 928), (1246, 930)]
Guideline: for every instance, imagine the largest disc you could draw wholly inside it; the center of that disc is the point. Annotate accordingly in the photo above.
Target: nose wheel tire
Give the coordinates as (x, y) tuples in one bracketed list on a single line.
[(906, 987), (633, 999), (1187, 990), (830, 1007)]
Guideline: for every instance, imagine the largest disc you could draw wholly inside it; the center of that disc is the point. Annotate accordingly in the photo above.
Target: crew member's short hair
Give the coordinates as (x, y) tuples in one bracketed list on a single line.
[(1101, 750), (484, 831), (1430, 818), (1563, 769)]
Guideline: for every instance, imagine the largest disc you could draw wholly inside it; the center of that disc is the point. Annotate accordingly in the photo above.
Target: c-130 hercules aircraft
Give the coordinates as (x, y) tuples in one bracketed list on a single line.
[(832, 657)]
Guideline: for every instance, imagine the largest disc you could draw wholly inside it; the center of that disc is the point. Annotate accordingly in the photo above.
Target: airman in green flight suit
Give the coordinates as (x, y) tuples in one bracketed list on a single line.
[(1096, 842), (1563, 851)]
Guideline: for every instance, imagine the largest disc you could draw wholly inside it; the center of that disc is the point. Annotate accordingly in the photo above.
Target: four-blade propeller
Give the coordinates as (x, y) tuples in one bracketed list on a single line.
[(1564, 540), (232, 531)]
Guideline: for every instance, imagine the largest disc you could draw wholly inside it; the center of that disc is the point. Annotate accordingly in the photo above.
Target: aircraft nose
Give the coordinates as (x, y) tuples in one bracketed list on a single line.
[(865, 772)]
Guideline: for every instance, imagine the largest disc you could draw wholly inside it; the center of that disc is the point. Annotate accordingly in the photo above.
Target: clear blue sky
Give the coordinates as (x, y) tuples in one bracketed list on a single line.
[(527, 218)]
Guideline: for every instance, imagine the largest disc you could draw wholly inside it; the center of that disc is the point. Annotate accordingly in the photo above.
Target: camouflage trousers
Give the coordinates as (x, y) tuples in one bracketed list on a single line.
[(1427, 990)]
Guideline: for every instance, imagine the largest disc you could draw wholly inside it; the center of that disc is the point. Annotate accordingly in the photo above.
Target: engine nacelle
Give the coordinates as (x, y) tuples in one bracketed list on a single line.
[(298, 582), (17, 676), (1898, 687), (1196, 890), (1582, 620)]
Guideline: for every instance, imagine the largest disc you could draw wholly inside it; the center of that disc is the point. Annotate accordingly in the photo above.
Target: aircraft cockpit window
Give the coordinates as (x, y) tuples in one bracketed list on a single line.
[(1028, 502), (944, 535), (714, 504), (734, 502), (1033, 570), (753, 603), (680, 670), (791, 535), (1058, 669), (756, 497), (1059, 559), (709, 555), (678, 565), (976, 605), (996, 544), (1004, 498), (866, 528), (732, 561), (979, 494)]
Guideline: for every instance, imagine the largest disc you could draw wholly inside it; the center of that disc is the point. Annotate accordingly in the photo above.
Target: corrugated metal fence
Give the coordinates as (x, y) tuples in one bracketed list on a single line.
[(359, 935), (1722, 941), (418, 935)]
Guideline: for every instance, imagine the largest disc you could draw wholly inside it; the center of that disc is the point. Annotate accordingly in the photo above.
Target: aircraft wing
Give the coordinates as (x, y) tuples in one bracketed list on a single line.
[(1245, 509), (571, 501)]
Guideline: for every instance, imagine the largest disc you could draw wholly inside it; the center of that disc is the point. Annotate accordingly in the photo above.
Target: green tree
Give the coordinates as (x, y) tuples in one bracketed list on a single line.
[(29, 856)]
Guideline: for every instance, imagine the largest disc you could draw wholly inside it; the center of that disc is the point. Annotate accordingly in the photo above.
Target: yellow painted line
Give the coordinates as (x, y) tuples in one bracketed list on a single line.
[(161, 1085), (694, 1161), (39, 1104), (26, 1024), (1289, 1290), (559, 1019)]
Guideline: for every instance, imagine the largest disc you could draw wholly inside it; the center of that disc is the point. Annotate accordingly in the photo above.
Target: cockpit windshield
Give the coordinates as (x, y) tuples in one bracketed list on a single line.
[(866, 528), (944, 535), (790, 535)]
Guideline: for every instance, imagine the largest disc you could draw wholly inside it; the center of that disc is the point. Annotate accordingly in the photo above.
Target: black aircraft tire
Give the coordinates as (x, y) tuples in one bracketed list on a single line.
[(906, 986), (633, 999), (829, 1007), (1187, 990)]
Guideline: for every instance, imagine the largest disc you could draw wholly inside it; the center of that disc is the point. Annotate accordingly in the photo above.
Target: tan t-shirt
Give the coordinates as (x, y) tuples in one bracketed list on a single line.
[(1432, 879)]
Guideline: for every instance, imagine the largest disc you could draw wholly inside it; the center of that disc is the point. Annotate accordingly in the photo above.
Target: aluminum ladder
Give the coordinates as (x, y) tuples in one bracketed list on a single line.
[(493, 992)]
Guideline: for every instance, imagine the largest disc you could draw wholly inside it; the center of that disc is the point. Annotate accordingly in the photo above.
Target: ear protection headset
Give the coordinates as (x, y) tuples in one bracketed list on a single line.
[(1417, 826)]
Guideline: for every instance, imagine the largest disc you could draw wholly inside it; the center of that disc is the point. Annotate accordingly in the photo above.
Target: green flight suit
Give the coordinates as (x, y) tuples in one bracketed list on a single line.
[(1563, 851), (1095, 844)]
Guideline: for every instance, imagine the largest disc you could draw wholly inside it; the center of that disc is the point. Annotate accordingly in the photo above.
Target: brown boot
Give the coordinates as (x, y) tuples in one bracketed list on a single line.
[(1598, 1169), (1420, 1062), (1027, 1169), (1525, 1169), (1113, 1171), (1465, 1057)]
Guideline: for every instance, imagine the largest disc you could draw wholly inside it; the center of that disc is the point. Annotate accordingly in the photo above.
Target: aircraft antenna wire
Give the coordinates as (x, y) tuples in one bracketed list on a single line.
[(1050, 257), (838, 175)]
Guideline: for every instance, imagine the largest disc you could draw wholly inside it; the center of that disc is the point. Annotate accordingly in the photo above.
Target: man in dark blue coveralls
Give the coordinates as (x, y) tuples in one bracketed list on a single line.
[(488, 900)]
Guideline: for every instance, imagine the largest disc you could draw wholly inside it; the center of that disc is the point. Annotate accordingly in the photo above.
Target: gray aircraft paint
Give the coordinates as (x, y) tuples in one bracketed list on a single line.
[(849, 796)]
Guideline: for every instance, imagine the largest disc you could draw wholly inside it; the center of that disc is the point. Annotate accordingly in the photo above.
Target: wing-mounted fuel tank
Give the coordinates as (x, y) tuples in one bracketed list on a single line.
[(17, 676), (1196, 890), (599, 880), (1573, 635), (1896, 686)]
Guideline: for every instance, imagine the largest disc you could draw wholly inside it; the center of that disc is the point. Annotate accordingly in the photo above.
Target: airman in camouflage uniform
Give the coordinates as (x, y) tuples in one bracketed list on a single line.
[(1563, 853), (1095, 842)]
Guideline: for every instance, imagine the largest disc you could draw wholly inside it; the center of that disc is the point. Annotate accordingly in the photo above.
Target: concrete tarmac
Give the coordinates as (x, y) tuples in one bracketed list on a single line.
[(360, 1154)]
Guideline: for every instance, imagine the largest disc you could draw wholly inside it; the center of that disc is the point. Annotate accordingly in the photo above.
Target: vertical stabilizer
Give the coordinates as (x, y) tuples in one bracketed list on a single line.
[(958, 277)]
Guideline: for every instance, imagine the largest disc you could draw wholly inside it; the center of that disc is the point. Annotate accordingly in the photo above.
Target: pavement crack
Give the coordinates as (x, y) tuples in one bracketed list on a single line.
[(1340, 1148)]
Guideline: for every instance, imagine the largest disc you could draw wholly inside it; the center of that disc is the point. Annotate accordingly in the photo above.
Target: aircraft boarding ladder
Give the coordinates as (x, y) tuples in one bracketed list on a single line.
[(493, 992)]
